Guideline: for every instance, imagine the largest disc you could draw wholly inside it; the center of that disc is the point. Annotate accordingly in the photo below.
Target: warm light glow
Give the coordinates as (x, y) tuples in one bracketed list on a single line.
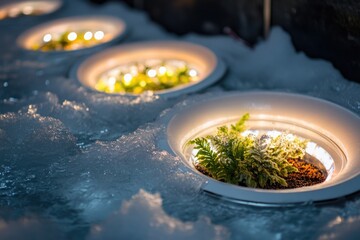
[(273, 133), (14, 12), (70, 33), (148, 75), (47, 37), (75, 40), (72, 36), (142, 84), (169, 72), (88, 35), (17, 8), (112, 80), (312, 148), (151, 73), (338, 220), (27, 10), (330, 145), (193, 73), (134, 70), (99, 35), (2, 14), (162, 70), (324, 157), (127, 78)]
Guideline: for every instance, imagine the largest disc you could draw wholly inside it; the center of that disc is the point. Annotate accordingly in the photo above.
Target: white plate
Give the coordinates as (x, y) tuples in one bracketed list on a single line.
[(208, 65), (332, 127), (17, 6), (114, 29)]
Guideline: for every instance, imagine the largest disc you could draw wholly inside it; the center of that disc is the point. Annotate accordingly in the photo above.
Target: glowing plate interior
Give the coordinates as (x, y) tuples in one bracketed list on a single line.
[(28, 8), (209, 68), (97, 28), (333, 131)]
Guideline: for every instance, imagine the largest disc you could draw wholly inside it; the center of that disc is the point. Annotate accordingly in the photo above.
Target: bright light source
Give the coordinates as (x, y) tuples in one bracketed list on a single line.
[(151, 73), (99, 35), (68, 34), (193, 73), (88, 35), (147, 75), (162, 70), (112, 80), (72, 36), (127, 78), (47, 37)]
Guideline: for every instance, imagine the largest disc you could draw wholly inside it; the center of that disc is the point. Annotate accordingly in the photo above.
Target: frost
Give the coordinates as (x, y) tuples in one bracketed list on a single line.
[(30, 134), (144, 212), (71, 158)]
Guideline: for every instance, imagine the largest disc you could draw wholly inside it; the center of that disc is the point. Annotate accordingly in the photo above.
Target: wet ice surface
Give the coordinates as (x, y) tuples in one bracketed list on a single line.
[(83, 165)]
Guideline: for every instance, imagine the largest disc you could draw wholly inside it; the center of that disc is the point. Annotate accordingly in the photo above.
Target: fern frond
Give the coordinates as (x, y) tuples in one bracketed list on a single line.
[(205, 155), (240, 125), (252, 161)]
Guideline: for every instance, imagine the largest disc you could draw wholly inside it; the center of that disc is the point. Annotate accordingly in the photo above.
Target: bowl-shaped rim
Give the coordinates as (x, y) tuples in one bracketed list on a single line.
[(50, 6), (211, 68), (336, 123), (116, 27)]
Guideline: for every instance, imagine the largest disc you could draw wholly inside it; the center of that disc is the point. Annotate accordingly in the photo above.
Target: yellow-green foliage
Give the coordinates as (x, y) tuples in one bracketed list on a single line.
[(248, 160), (62, 43), (142, 82)]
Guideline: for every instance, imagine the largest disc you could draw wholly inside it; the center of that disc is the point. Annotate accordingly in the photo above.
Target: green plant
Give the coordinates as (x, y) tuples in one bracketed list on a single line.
[(147, 76), (247, 160), (66, 42)]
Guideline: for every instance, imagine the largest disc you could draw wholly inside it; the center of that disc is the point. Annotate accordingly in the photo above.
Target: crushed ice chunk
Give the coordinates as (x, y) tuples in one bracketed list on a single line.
[(144, 212), (77, 155)]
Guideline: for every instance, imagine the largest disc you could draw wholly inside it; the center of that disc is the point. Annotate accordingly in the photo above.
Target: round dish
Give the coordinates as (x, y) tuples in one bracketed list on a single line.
[(28, 8), (112, 29), (209, 67), (333, 128)]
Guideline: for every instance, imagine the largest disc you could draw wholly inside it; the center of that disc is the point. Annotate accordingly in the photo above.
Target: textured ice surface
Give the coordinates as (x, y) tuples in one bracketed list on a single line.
[(83, 165), (145, 211)]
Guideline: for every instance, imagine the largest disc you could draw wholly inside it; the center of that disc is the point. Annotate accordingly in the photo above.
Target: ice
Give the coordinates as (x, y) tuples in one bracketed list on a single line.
[(272, 64), (145, 211), (89, 115), (33, 148), (79, 164), (28, 226), (275, 65), (31, 134), (124, 166)]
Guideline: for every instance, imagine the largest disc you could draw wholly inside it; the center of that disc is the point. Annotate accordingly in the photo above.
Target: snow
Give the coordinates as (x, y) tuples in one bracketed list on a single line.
[(85, 165), (144, 210), (28, 226)]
